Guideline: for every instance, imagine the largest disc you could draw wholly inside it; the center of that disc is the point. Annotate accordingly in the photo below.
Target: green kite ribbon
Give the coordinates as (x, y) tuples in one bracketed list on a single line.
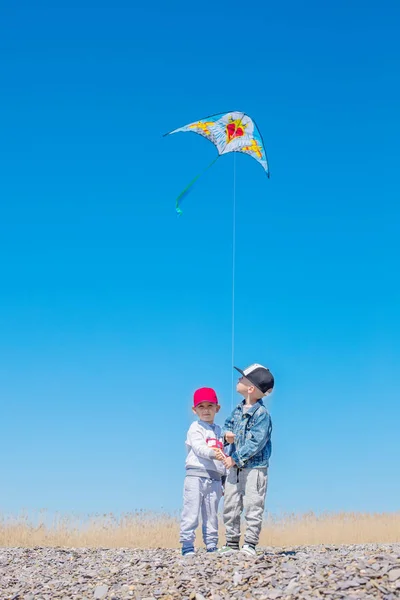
[(187, 188)]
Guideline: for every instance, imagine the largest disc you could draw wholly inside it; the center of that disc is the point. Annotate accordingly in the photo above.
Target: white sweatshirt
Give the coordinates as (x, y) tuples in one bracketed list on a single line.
[(199, 455)]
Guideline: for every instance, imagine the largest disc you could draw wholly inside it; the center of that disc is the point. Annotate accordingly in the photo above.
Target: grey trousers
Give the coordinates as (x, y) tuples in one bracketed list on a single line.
[(200, 495), (244, 489)]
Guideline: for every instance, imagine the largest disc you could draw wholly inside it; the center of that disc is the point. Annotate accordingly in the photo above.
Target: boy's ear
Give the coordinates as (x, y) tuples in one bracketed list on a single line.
[(194, 410), (218, 408)]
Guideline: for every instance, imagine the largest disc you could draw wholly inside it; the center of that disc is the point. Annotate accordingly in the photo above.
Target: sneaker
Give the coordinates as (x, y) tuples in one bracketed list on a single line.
[(187, 552), (249, 549), (212, 549), (227, 550)]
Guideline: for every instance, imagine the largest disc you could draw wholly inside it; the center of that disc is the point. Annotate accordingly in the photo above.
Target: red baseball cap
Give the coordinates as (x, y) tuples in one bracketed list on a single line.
[(204, 395)]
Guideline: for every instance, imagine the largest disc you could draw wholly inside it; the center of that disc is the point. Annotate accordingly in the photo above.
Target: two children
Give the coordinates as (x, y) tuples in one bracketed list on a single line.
[(247, 441)]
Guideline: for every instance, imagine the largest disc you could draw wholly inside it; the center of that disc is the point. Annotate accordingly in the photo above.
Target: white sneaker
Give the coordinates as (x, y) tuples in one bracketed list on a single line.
[(249, 550), (226, 550), (188, 554)]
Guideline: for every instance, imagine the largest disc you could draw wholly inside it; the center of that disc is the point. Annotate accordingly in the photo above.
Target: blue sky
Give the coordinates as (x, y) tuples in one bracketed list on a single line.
[(113, 310)]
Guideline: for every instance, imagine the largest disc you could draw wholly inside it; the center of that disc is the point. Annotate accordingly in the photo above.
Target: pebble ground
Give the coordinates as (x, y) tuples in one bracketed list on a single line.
[(328, 572)]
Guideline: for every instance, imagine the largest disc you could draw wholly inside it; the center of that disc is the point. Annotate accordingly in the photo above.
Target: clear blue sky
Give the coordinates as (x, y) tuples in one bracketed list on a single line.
[(113, 310)]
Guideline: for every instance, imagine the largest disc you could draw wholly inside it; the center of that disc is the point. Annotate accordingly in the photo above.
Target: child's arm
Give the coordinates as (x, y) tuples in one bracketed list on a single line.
[(260, 434), (196, 440), (228, 428)]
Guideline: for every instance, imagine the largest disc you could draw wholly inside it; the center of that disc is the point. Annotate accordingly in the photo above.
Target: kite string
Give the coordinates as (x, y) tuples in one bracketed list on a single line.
[(233, 275)]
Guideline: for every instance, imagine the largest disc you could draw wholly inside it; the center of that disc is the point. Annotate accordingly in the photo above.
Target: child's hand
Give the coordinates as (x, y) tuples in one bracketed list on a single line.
[(230, 437), (228, 462), (219, 455)]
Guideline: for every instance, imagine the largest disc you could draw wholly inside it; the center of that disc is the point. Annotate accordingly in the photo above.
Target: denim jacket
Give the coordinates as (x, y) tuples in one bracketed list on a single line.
[(252, 429)]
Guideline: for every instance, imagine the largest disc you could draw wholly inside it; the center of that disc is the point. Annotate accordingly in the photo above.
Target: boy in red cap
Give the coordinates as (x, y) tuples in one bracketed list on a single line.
[(204, 474)]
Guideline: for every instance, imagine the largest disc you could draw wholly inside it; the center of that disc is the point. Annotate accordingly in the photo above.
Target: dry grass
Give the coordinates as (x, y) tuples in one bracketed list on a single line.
[(149, 530), (336, 528)]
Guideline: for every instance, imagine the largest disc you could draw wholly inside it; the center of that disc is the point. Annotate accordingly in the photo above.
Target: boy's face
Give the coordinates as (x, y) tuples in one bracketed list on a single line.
[(245, 388), (206, 411)]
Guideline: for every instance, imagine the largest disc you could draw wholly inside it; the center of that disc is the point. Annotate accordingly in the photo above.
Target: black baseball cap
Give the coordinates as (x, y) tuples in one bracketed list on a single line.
[(259, 376)]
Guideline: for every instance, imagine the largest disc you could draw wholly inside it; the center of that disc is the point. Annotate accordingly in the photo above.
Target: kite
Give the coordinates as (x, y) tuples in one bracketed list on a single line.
[(229, 132)]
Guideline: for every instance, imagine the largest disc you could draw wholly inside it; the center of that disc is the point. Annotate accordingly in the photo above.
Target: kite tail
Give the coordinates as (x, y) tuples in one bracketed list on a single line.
[(187, 188)]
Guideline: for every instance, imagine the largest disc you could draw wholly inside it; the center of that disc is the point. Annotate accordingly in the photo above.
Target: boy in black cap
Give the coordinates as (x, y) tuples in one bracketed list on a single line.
[(248, 429)]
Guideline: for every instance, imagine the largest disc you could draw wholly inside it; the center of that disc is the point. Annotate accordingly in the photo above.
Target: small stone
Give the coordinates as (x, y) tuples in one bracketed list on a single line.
[(293, 587), (346, 585), (90, 574), (394, 574), (100, 591)]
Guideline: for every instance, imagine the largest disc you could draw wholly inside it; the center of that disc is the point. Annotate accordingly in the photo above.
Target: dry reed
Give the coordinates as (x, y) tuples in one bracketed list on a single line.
[(150, 530)]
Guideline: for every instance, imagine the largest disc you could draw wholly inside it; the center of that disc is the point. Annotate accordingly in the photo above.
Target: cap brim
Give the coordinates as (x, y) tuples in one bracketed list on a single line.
[(240, 371)]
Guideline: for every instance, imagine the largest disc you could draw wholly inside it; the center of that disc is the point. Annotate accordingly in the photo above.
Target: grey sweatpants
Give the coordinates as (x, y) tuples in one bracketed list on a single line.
[(244, 489), (200, 495)]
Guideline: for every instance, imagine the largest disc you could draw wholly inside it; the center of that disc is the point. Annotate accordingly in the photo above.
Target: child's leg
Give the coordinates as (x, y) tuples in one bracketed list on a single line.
[(209, 513), (192, 497), (254, 502), (233, 506)]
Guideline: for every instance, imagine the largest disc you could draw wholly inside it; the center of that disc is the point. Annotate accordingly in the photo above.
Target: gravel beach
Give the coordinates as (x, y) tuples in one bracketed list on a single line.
[(340, 572)]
